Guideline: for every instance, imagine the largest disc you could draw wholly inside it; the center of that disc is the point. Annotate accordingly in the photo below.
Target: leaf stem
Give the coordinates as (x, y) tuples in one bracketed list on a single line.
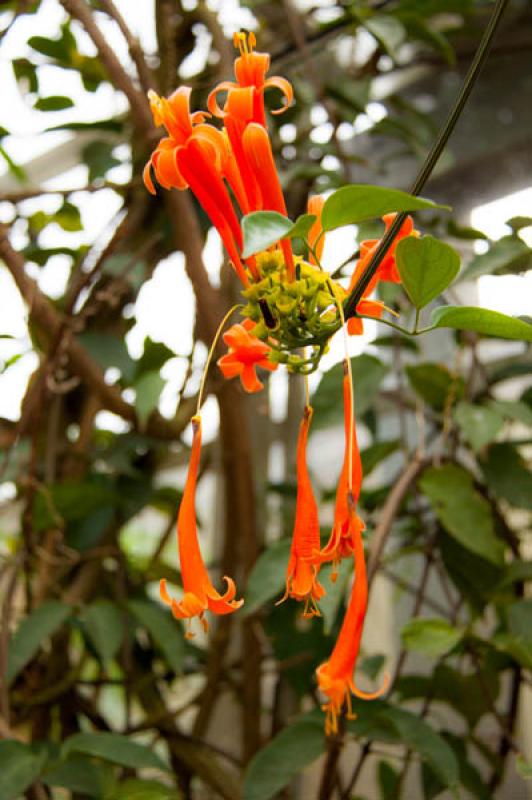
[(432, 158)]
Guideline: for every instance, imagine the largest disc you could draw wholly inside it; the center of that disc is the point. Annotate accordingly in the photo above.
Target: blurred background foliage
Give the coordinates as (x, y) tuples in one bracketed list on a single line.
[(101, 695)]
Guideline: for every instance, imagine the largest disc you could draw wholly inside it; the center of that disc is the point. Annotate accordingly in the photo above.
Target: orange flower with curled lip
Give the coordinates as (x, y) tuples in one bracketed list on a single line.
[(245, 122), (250, 72), (301, 574), (199, 593), (246, 353), (347, 525), (197, 155), (335, 676)]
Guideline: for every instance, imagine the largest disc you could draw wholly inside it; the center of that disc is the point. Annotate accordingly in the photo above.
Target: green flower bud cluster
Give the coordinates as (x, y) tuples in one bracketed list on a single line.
[(293, 315)]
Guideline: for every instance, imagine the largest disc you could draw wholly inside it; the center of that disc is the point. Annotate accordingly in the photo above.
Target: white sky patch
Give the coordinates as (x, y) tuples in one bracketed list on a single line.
[(509, 294)]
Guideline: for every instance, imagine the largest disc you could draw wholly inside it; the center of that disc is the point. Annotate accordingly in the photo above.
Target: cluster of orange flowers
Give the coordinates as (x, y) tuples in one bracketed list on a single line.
[(234, 166)]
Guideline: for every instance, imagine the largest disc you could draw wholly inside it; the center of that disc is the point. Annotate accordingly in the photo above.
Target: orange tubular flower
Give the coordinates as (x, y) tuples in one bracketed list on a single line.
[(246, 352), (250, 71), (258, 150), (347, 525), (301, 575), (245, 122), (198, 156), (335, 676), (315, 206), (199, 593)]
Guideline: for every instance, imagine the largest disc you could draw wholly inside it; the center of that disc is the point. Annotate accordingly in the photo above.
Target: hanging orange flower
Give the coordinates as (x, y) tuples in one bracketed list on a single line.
[(347, 525), (246, 353), (197, 155), (199, 593), (335, 676), (301, 574)]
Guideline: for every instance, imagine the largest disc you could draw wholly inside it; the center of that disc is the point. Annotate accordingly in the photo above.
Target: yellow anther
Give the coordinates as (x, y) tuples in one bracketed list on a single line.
[(245, 42)]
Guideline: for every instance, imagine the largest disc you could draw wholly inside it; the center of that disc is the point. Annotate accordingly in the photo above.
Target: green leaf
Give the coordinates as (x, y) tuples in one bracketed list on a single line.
[(463, 512), (372, 456), (262, 229), (368, 374), (358, 202), (435, 384), (105, 627), (421, 737), (517, 223), (481, 320), (108, 351), (432, 637), (464, 231), (114, 748), (388, 778), (98, 155), (516, 572), (53, 48), (72, 501), (53, 103), (517, 647), (26, 75), (80, 774), (505, 256), (136, 789), (301, 227), (148, 391), (520, 619), (519, 411), (68, 218), (154, 356), (524, 768), (387, 30), (267, 578), (380, 721), (32, 632), (507, 475), (479, 424), (427, 266), (163, 629), (20, 766), (335, 592), (273, 767)]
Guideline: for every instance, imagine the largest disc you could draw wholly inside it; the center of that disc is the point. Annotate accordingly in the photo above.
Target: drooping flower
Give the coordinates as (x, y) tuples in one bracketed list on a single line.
[(197, 155), (199, 593), (301, 574), (246, 353), (335, 676), (347, 525)]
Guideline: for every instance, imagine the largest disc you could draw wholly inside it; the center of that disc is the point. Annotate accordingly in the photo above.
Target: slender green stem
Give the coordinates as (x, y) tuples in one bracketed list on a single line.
[(432, 158), (416, 321)]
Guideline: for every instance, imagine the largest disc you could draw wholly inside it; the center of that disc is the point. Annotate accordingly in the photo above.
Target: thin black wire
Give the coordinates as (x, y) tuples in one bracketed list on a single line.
[(432, 158)]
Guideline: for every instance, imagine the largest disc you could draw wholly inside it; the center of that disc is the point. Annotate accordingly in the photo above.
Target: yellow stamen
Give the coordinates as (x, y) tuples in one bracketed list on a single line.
[(245, 42)]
